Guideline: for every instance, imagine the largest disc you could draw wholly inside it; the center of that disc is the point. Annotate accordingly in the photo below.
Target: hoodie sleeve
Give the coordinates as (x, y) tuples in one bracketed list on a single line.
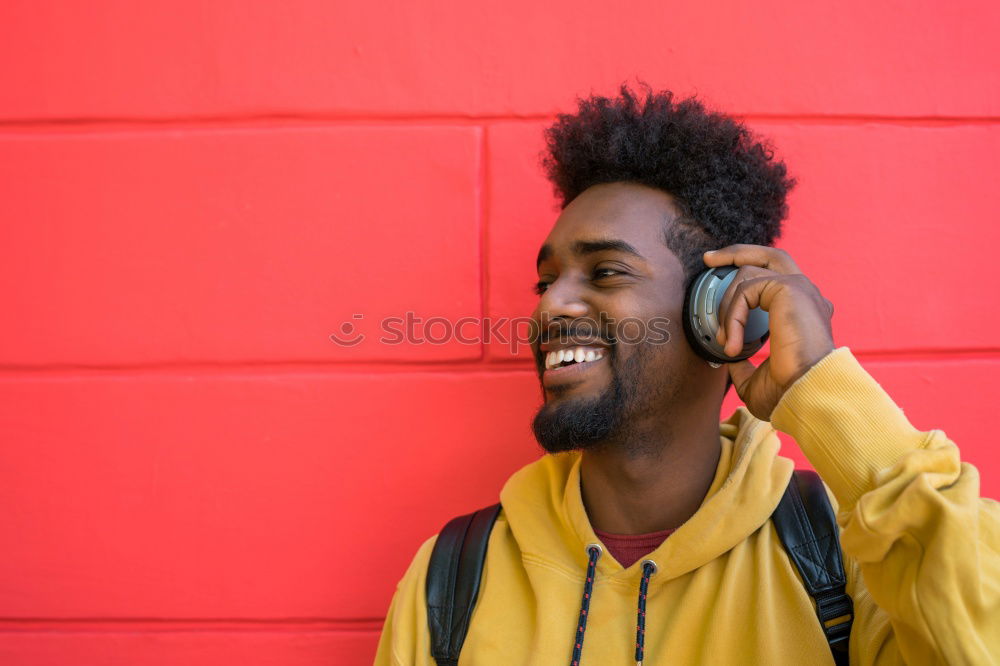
[(923, 548), (405, 639)]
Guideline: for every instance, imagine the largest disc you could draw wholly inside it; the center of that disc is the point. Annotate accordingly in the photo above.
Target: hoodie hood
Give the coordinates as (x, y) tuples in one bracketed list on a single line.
[(544, 507)]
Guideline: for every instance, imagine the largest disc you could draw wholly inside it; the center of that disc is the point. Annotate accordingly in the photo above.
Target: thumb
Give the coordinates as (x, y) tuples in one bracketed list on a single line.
[(741, 371)]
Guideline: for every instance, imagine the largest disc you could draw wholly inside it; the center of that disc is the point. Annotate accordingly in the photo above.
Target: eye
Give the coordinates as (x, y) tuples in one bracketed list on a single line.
[(605, 273), (540, 287)]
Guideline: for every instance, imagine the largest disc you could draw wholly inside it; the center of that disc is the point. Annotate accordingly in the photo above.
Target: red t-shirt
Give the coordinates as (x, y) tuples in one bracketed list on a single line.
[(630, 548)]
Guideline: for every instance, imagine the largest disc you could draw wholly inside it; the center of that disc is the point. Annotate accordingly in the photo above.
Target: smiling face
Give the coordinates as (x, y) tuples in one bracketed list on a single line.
[(607, 360)]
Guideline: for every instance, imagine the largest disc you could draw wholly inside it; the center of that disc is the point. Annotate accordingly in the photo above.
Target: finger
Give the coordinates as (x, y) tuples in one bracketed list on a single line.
[(749, 294), (744, 254), (743, 274)]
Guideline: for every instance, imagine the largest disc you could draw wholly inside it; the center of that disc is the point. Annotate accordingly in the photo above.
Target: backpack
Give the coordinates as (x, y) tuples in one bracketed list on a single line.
[(803, 519)]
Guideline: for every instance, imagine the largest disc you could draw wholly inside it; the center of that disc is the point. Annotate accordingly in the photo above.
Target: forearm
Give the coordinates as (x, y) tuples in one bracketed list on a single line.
[(910, 512)]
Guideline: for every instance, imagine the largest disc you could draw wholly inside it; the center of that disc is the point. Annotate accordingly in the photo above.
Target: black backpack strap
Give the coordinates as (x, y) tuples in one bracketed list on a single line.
[(453, 581), (807, 527)]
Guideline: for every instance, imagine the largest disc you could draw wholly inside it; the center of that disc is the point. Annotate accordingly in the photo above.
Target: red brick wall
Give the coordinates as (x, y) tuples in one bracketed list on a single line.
[(197, 193)]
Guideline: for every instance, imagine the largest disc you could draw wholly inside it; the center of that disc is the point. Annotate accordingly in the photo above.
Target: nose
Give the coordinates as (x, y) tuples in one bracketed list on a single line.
[(562, 300)]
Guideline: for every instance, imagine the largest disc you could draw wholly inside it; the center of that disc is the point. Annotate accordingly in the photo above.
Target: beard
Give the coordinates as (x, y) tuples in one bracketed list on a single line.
[(589, 423)]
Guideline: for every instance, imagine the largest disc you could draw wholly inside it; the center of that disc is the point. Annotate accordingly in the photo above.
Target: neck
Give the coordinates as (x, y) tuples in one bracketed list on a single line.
[(654, 480)]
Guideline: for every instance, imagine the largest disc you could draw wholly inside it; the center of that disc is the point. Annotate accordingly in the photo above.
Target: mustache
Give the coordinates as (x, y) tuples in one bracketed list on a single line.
[(582, 333)]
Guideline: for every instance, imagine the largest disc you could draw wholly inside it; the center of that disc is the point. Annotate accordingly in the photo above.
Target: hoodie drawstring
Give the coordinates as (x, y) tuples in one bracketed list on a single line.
[(649, 568), (593, 552)]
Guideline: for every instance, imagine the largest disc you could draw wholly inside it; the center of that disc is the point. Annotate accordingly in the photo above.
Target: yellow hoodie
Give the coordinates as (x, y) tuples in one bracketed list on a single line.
[(921, 548)]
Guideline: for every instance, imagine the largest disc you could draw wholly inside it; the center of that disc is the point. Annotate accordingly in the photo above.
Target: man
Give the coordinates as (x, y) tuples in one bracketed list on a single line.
[(640, 470)]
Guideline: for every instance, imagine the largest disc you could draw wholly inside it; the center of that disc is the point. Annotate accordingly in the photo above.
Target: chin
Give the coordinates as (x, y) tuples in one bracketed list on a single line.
[(572, 422)]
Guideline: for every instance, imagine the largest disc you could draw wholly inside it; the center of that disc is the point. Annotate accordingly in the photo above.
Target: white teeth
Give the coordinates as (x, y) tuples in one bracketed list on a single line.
[(554, 359)]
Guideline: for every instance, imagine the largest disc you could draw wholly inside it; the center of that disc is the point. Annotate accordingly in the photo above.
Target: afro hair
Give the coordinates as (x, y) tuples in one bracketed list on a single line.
[(726, 183)]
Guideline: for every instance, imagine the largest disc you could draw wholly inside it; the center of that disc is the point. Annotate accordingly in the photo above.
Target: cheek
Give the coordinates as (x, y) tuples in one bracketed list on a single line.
[(654, 360), (657, 328), (642, 304)]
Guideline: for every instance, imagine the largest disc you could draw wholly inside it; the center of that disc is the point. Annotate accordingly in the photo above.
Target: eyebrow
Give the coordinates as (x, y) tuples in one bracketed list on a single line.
[(585, 247)]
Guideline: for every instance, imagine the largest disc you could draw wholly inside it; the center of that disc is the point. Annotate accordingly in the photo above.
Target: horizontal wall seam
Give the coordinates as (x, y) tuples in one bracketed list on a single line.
[(485, 367), (188, 625), (20, 126)]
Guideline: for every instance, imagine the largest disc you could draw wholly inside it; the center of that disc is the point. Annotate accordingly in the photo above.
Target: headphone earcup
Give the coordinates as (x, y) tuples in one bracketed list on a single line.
[(701, 323), (693, 336)]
